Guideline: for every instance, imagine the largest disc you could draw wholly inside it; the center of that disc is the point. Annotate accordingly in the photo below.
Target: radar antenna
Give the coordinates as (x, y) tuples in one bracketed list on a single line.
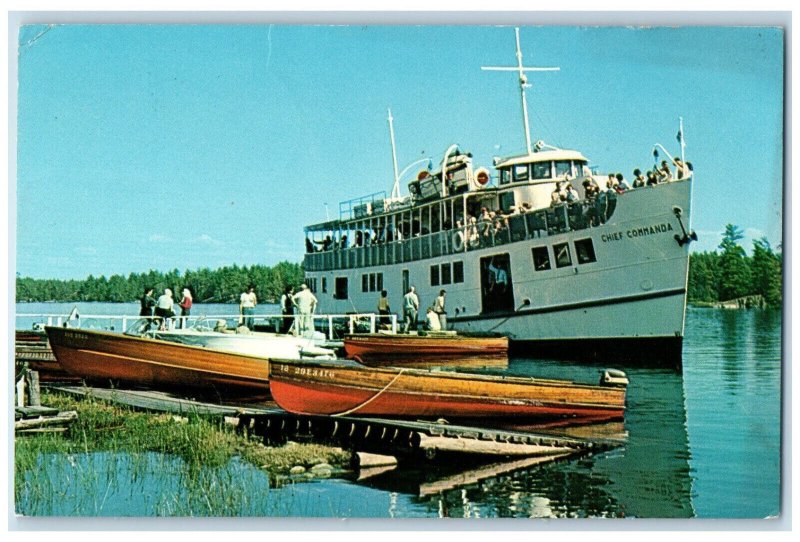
[(523, 83)]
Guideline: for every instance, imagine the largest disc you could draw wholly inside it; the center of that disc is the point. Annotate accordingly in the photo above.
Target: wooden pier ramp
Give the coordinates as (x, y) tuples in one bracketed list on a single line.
[(405, 440)]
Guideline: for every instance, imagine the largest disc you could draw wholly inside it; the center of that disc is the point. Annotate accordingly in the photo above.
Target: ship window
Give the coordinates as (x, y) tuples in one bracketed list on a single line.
[(541, 170), (311, 283), (324, 285), (372, 282), (434, 275), (563, 167), (505, 176), (584, 250), (541, 258), (446, 273), (340, 286), (458, 272), (563, 258), (521, 172)]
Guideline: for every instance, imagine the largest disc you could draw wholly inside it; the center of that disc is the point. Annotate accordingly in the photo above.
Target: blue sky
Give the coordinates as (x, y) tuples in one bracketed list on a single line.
[(188, 146)]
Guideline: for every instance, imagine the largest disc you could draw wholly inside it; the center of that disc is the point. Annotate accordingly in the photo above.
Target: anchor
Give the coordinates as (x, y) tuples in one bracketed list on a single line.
[(687, 237)]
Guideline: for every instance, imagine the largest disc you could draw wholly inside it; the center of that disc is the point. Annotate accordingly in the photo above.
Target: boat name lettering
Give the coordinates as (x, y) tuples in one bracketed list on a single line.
[(637, 232), (307, 371), (75, 336)]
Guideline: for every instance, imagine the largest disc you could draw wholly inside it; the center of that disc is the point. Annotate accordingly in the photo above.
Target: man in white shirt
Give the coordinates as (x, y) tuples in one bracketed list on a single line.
[(247, 306), (306, 303)]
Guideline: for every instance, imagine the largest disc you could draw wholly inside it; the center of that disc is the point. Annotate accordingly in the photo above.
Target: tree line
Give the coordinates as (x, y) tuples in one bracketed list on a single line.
[(731, 273), (223, 285), (713, 277)]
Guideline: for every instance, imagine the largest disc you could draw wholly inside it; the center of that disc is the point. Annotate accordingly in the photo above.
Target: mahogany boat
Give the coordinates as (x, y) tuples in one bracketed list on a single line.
[(400, 347), (349, 388), (105, 356), (32, 348)]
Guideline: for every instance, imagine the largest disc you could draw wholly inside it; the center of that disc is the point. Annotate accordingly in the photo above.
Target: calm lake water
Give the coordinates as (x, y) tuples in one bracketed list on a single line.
[(704, 444)]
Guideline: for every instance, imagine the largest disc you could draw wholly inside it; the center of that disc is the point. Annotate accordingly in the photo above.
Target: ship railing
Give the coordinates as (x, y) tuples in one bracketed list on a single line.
[(516, 227), (333, 325)]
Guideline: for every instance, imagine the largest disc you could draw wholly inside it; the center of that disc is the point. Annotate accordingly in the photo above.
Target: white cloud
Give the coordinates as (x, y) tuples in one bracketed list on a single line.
[(208, 240), (159, 238)]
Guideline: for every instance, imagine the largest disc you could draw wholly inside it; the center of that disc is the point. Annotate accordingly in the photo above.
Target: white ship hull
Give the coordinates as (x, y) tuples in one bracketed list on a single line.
[(628, 304)]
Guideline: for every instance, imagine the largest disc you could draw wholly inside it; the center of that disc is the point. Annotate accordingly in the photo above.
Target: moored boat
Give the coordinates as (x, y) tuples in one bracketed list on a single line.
[(380, 348), (104, 356), (348, 388), (218, 337)]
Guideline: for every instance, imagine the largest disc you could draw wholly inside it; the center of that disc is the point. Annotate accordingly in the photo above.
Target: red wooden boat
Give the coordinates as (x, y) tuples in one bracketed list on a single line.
[(103, 356), (32, 348), (348, 388), (401, 347)]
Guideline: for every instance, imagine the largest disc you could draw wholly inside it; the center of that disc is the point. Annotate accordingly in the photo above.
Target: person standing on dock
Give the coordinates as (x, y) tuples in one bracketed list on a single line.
[(306, 303), (410, 310), (148, 303), (247, 306), (287, 310), (383, 309), (438, 308), (185, 304), (164, 310)]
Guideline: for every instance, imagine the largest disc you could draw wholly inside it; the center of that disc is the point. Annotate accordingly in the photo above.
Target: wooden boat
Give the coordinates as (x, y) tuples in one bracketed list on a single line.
[(103, 356), (215, 335), (391, 346), (348, 388), (32, 348)]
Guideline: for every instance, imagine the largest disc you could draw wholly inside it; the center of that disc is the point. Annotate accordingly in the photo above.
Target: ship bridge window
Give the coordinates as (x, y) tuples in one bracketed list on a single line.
[(521, 173), (541, 170), (505, 176), (563, 167), (584, 250), (541, 258), (563, 258)]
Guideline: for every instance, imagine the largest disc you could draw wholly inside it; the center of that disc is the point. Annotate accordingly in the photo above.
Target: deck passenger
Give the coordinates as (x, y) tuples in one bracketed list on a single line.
[(681, 172), (572, 194), (410, 310), (247, 306), (638, 178), (652, 180), (306, 303), (622, 184), (664, 173)]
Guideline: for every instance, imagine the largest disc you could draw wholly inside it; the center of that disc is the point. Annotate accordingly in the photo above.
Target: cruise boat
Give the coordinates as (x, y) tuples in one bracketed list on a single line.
[(599, 278)]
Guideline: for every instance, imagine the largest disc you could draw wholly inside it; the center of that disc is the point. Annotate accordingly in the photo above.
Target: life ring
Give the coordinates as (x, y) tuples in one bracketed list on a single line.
[(482, 177), (458, 241)]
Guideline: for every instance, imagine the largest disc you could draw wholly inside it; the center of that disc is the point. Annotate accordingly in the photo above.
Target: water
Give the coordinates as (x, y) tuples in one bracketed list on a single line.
[(704, 444)]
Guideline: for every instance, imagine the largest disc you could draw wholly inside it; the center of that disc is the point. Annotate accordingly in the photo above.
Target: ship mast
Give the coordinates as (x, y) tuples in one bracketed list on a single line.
[(523, 83), (396, 187)]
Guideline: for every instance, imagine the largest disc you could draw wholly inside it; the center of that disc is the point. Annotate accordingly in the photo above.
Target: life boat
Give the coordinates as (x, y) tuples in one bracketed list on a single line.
[(458, 241)]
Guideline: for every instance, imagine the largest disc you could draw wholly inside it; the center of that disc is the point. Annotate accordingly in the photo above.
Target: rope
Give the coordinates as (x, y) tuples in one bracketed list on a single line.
[(368, 401)]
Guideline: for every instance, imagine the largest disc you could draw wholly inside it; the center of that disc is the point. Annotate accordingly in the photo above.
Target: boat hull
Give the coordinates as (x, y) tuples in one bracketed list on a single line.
[(402, 348), (103, 356), (338, 389)]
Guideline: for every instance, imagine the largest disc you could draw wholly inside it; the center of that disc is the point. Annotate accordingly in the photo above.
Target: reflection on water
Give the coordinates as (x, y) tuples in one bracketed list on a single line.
[(704, 443)]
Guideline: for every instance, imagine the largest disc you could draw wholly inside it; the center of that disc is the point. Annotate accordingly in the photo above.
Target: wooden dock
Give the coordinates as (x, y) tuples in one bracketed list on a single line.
[(405, 440)]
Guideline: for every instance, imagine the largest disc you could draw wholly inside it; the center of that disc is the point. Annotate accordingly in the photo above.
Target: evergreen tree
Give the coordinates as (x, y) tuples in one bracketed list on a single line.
[(734, 272), (765, 267)]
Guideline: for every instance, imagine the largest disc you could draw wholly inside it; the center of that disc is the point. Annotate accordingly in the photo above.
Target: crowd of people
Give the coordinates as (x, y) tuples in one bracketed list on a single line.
[(488, 227), (160, 312)]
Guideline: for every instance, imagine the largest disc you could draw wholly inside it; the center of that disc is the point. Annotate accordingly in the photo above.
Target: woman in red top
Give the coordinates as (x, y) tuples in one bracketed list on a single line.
[(185, 304)]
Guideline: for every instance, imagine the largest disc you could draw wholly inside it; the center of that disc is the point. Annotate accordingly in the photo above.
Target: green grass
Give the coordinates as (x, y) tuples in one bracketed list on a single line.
[(206, 447)]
